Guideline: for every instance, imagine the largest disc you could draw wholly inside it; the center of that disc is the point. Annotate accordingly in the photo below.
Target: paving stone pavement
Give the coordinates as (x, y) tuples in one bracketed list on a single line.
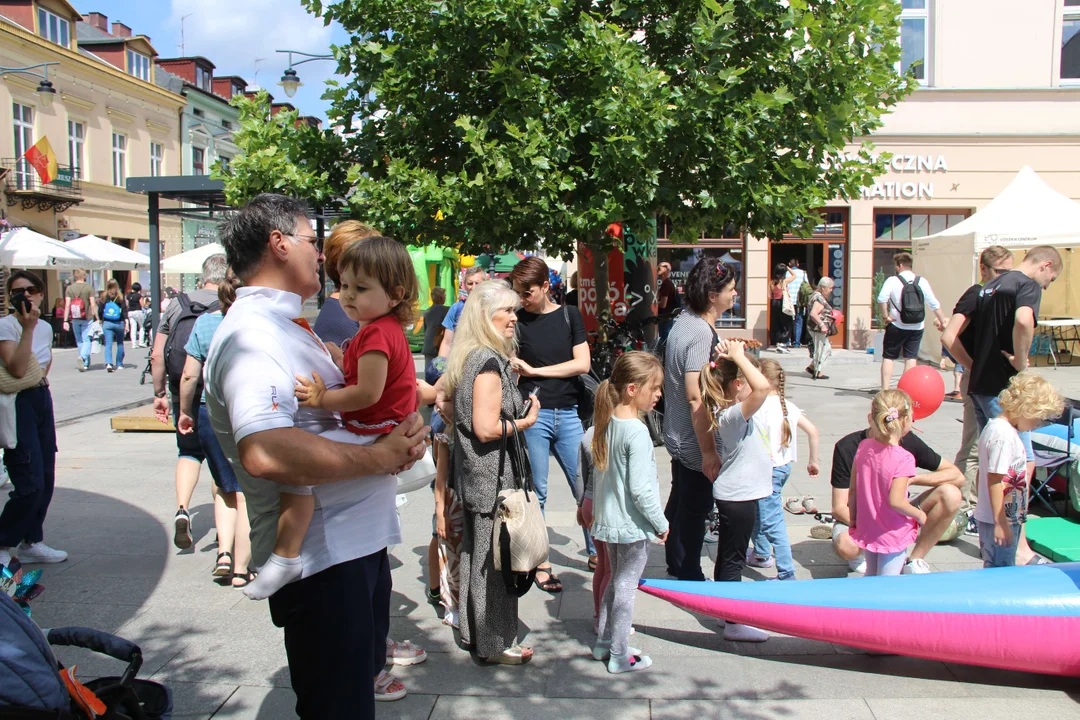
[(223, 658)]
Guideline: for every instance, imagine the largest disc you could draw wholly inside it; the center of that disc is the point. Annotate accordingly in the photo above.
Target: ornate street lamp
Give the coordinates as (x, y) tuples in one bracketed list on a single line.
[(45, 90), (290, 81)]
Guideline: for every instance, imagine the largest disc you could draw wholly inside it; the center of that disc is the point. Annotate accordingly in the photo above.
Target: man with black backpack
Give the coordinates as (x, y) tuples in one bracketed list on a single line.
[(903, 299), (167, 365)]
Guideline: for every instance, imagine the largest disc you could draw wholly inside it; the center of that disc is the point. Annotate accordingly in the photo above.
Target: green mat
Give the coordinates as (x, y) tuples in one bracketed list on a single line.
[(1055, 538)]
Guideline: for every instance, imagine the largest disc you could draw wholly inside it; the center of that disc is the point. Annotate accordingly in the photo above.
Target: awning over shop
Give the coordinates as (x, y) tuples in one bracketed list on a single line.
[(109, 254), (24, 248)]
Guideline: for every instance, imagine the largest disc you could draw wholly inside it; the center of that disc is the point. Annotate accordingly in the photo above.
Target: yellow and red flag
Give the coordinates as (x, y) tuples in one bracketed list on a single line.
[(42, 159)]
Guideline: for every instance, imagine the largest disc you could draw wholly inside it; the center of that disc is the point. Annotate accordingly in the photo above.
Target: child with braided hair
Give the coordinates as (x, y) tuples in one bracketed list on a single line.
[(781, 417), (883, 521)]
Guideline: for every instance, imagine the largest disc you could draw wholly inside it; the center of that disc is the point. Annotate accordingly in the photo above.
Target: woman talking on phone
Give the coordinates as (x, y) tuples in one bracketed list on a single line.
[(26, 346)]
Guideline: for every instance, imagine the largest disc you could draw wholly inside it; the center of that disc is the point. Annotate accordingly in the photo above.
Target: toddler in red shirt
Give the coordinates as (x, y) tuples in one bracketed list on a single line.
[(379, 290)]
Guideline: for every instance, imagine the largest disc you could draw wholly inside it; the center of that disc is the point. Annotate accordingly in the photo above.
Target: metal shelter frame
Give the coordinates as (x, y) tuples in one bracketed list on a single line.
[(209, 195)]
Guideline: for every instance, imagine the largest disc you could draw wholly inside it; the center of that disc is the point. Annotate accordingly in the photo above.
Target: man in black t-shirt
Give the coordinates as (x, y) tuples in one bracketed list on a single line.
[(940, 503), (1001, 326), (667, 299)]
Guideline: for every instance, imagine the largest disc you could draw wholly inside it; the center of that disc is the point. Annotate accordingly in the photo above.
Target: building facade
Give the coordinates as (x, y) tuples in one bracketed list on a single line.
[(1000, 89), (107, 121)]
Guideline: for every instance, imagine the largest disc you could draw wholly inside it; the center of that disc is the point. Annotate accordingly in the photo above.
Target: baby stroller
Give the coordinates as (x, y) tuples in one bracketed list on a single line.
[(31, 687)]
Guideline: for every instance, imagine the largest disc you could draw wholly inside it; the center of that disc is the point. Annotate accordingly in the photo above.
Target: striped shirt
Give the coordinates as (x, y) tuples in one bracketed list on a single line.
[(689, 346)]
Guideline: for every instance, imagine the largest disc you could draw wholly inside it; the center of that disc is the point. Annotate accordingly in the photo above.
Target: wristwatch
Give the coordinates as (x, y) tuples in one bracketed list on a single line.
[(159, 394)]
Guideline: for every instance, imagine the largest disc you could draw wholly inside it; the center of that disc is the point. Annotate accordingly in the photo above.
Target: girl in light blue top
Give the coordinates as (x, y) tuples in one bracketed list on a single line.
[(626, 499)]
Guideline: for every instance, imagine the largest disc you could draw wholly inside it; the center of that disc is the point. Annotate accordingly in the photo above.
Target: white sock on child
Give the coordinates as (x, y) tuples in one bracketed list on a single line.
[(744, 633), (628, 663), (274, 575), (602, 651)]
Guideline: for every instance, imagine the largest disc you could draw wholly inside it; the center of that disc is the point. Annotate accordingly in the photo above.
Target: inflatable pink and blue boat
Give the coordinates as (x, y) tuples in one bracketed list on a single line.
[(1019, 618)]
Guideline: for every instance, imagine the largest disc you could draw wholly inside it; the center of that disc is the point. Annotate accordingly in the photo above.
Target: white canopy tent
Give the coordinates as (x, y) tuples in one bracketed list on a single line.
[(24, 248), (191, 262), (113, 256), (1027, 213)]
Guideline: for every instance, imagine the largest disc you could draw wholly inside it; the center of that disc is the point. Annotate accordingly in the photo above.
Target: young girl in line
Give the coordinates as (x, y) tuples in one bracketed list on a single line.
[(626, 499), (883, 521), (378, 290), (1026, 403), (733, 390), (781, 417)]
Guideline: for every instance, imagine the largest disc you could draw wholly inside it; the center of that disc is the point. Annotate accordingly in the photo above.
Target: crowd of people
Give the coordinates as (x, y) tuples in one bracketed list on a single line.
[(305, 428)]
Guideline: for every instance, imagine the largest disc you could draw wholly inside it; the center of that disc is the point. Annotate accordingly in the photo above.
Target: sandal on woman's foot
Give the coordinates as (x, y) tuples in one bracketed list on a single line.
[(794, 506), (244, 579), (821, 376), (388, 688), (223, 568), (592, 563), (551, 585), (404, 653), (954, 395), (516, 655), (809, 504)]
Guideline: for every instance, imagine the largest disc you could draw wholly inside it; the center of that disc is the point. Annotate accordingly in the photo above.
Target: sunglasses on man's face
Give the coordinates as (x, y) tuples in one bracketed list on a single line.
[(27, 290)]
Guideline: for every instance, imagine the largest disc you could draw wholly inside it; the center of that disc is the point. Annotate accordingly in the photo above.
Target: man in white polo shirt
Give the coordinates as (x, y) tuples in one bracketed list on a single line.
[(336, 616), (903, 300)]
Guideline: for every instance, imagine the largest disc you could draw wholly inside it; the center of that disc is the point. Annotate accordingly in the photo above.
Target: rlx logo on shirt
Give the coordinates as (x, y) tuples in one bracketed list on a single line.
[(273, 397)]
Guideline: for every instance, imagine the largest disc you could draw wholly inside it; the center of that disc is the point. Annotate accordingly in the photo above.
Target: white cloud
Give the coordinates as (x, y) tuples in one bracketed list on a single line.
[(233, 33)]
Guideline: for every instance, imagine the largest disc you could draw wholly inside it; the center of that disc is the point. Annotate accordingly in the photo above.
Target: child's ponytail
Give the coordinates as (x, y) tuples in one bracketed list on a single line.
[(777, 378), (714, 381), (888, 410), (633, 368), (607, 397)]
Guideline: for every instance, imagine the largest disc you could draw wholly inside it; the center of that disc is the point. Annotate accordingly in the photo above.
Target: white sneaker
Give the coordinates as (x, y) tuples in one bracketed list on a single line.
[(755, 560), (916, 566), (39, 552), (5, 557), (858, 565), (744, 633)]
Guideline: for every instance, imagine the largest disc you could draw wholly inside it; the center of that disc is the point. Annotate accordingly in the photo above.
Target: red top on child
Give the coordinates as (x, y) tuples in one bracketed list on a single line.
[(386, 336)]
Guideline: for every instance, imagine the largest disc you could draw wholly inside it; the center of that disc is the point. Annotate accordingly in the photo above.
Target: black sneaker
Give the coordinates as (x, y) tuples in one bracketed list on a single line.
[(972, 526), (182, 534)]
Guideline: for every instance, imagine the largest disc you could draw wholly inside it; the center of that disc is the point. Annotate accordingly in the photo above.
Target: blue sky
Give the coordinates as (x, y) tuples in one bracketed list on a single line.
[(232, 34)]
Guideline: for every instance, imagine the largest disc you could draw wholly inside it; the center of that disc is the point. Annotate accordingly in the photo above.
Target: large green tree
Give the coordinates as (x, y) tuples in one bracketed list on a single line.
[(537, 122)]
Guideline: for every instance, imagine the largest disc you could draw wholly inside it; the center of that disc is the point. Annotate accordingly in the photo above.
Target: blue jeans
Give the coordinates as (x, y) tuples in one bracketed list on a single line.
[(796, 337), (31, 465), (81, 330), (988, 407), (114, 334), (995, 555), (557, 432), (770, 533), (220, 469)]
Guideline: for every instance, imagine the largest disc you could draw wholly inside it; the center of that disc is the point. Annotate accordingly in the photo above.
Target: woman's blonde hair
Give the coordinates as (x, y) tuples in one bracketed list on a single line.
[(633, 368), (777, 379), (715, 382), (888, 410), (112, 289), (475, 329), (1031, 397)]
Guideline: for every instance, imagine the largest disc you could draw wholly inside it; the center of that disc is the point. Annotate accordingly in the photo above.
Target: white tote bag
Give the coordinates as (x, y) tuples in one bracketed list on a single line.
[(8, 435)]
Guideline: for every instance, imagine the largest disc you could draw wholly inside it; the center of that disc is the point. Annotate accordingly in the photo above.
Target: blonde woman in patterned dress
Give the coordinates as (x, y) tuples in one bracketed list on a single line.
[(482, 385)]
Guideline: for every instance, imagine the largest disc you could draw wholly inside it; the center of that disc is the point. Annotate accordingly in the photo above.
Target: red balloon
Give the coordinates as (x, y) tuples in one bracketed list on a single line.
[(926, 388), (615, 230)]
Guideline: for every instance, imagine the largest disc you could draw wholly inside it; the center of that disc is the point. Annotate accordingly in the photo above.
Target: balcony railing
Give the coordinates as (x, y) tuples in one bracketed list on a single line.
[(22, 184)]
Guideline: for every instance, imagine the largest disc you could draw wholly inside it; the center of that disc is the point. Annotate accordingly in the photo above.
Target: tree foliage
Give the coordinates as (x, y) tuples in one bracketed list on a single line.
[(537, 122), (282, 154)]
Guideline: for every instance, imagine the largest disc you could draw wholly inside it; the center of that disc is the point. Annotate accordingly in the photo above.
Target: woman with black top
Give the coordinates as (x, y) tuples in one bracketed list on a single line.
[(552, 353), (781, 325), (135, 316)]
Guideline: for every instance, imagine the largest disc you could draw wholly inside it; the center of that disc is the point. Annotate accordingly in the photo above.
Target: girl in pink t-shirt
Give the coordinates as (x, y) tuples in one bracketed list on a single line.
[(883, 522)]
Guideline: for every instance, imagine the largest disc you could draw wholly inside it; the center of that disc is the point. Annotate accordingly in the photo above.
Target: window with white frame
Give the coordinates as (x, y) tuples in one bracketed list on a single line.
[(225, 162), (119, 159), (23, 120), (202, 78), (914, 37), (53, 27), (157, 159), (138, 65), (76, 146), (1070, 41), (198, 161)]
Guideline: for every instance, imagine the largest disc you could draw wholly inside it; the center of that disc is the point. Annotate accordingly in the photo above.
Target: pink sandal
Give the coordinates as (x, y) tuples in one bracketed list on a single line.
[(388, 688)]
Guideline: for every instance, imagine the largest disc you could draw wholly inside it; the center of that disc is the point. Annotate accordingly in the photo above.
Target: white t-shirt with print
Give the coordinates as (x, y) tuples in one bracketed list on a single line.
[(40, 346), (772, 414), (1001, 451)]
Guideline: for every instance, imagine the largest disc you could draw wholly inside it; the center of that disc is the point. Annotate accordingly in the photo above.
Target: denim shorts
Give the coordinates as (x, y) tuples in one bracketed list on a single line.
[(995, 555)]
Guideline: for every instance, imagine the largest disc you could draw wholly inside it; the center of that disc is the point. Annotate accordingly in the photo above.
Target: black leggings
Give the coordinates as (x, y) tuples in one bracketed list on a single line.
[(735, 528)]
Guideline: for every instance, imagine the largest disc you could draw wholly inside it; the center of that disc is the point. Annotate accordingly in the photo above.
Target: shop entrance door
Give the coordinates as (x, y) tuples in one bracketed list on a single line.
[(818, 257)]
